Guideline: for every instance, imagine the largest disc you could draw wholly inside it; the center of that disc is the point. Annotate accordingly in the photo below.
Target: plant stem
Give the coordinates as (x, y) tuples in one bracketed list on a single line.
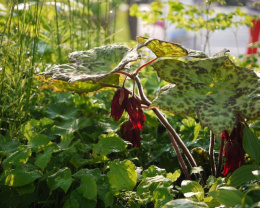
[(165, 122), (57, 31), (125, 73), (179, 156), (149, 62), (211, 154), (220, 158)]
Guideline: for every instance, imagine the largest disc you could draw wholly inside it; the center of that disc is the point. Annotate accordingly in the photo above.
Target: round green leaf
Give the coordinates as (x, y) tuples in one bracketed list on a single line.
[(21, 176), (193, 190), (122, 175), (109, 143)]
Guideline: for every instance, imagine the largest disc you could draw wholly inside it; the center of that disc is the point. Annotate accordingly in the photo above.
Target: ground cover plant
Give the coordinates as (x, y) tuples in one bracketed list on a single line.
[(112, 127)]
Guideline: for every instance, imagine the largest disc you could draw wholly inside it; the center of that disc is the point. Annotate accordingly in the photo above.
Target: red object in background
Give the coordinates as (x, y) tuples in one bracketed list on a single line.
[(254, 35)]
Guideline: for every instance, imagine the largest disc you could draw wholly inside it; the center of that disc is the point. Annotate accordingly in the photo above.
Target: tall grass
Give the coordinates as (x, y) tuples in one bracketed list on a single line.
[(36, 34)]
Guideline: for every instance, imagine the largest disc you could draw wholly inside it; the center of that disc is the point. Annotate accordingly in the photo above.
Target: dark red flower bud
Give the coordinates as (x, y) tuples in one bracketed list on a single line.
[(234, 155), (135, 112), (131, 134), (233, 150), (118, 103)]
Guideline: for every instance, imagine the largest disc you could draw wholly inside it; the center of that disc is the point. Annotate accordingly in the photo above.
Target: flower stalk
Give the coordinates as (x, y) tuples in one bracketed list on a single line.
[(174, 136)]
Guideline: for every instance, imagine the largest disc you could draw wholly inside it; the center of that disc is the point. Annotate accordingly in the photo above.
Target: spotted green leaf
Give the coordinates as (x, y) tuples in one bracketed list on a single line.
[(89, 71), (214, 88), (167, 49)]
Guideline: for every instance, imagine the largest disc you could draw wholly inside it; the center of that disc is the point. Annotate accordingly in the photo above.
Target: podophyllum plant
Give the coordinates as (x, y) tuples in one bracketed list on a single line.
[(221, 94)]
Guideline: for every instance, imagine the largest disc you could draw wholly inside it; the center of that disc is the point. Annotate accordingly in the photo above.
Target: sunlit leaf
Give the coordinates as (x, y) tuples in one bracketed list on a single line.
[(20, 176), (17, 158), (89, 71), (167, 49), (193, 190), (122, 175), (163, 48), (214, 88), (185, 203), (174, 176)]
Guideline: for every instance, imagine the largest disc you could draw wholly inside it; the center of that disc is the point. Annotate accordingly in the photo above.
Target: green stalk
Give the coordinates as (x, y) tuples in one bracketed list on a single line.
[(114, 26), (98, 24), (8, 25), (57, 31), (83, 25), (70, 25), (89, 26), (34, 49)]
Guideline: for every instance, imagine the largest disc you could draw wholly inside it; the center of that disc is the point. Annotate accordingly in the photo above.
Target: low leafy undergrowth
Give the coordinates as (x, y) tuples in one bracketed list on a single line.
[(73, 156)]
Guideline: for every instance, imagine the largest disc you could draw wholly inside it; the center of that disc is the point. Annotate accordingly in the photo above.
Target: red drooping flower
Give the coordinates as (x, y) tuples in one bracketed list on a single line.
[(234, 154), (131, 134), (118, 103), (233, 149), (135, 112)]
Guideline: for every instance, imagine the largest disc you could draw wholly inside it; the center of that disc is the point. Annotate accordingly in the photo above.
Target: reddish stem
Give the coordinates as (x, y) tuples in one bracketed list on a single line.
[(149, 62), (124, 73), (179, 156), (144, 106), (171, 130)]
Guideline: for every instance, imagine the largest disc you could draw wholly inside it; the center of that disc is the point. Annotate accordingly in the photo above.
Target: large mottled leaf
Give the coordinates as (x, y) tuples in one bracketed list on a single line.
[(167, 49), (214, 88), (90, 70)]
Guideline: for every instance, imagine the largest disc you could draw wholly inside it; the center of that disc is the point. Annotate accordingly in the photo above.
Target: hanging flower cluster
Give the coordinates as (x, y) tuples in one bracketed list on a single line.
[(233, 149), (130, 130)]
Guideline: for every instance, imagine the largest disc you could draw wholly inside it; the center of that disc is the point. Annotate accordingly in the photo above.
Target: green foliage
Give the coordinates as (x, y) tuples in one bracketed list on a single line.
[(122, 175), (251, 144), (63, 150), (191, 17)]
